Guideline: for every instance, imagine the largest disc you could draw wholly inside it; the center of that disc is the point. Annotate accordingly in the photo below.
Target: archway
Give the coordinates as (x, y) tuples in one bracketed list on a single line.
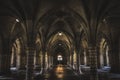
[(104, 53), (16, 55), (59, 44)]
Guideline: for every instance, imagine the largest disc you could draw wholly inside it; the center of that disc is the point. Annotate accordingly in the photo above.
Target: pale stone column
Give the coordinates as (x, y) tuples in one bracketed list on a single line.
[(35, 58), (107, 56), (85, 58), (46, 61), (101, 60), (18, 57)]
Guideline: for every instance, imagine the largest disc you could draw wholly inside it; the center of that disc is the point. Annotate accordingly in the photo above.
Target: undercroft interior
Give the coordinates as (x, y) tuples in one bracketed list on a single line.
[(59, 39)]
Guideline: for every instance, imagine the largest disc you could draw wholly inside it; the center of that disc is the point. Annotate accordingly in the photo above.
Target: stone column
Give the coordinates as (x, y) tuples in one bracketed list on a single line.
[(43, 62), (30, 62), (49, 63), (78, 62), (5, 59), (18, 57), (85, 58), (93, 63), (5, 64), (69, 59), (46, 61), (72, 60), (107, 56), (23, 61), (35, 59), (101, 60), (51, 60), (114, 60), (98, 58)]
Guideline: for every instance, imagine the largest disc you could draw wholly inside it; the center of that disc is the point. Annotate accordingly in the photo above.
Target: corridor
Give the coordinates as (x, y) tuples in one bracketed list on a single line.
[(59, 72), (59, 39)]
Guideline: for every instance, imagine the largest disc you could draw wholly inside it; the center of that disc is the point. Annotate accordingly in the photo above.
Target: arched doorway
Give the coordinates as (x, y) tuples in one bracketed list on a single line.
[(16, 55)]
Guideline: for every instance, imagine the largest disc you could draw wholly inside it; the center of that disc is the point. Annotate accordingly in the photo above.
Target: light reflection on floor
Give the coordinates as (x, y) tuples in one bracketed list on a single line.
[(59, 71)]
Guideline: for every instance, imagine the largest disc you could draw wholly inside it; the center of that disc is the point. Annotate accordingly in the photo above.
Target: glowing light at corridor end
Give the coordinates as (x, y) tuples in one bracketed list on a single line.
[(59, 58), (60, 34)]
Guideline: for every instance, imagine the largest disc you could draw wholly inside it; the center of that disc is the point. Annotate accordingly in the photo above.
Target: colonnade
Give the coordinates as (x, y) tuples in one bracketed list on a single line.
[(43, 60)]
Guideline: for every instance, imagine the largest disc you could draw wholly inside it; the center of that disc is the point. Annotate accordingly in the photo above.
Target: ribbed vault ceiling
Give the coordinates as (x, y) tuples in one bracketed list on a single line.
[(68, 16)]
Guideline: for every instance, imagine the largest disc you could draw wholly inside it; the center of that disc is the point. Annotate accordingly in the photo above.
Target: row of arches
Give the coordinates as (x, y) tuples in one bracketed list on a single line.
[(34, 50), (84, 56)]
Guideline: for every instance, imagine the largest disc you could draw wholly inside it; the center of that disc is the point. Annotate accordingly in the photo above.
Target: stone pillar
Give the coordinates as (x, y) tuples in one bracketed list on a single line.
[(69, 60), (23, 61), (114, 60), (101, 60), (85, 58), (51, 60), (37, 59), (18, 57), (93, 63), (43, 62), (72, 60), (46, 61), (98, 58), (78, 62), (30, 62), (107, 56), (5, 58), (5, 64), (49, 63)]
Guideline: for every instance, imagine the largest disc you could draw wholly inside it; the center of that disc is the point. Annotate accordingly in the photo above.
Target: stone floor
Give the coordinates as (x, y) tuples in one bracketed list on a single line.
[(60, 72)]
